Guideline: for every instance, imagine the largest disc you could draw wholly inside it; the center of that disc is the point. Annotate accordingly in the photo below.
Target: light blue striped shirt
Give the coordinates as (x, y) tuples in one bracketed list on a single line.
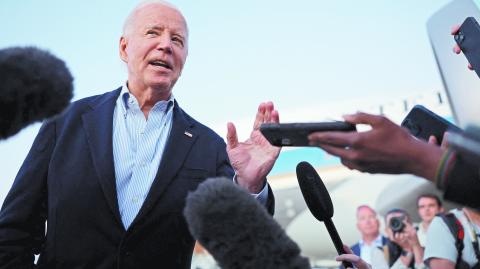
[(138, 146)]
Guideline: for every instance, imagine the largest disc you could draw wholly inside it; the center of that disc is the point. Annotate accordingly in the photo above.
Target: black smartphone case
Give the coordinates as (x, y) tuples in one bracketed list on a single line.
[(422, 123), (468, 38), (296, 134)]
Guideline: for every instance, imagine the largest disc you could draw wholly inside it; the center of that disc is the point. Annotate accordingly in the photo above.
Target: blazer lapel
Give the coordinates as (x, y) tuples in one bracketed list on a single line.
[(98, 124), (179, 143)]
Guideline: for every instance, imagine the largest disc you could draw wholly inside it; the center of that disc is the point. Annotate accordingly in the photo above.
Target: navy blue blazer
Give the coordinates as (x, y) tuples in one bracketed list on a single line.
[(356, 248), (68, 180)]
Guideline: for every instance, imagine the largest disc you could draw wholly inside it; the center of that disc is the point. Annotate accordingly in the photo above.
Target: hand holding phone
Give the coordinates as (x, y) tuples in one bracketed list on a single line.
[(468, 39), (422, 123), (296, 134)]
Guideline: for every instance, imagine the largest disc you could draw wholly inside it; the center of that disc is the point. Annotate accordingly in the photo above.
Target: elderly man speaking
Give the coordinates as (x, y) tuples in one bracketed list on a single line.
[(110, 175)]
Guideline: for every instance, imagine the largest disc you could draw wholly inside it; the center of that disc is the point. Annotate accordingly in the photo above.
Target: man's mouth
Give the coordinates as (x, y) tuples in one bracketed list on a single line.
[(161, 63)]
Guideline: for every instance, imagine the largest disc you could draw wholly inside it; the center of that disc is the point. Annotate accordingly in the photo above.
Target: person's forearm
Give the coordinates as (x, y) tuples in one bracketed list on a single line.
[(424, 160)]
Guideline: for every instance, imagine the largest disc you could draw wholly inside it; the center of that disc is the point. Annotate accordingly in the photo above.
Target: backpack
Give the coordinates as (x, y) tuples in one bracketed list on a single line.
[(456, 228)]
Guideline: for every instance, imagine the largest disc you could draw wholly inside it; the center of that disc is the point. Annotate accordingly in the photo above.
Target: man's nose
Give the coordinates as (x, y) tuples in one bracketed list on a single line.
[(165, 43)]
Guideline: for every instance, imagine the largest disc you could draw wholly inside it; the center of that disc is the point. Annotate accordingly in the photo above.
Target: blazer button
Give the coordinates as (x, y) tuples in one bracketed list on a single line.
[(128, 253)]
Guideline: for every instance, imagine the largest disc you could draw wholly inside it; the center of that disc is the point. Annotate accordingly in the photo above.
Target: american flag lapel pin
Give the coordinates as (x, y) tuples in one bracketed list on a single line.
[(188, 134)]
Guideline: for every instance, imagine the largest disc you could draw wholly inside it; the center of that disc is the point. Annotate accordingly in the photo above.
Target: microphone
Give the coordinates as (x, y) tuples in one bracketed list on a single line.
[(34, 85), (237, 230), (319, 202)]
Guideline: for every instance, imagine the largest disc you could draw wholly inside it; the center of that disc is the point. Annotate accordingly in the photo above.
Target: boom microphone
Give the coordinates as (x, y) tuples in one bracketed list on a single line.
[(34, 85), (319, 202), (237, 230)]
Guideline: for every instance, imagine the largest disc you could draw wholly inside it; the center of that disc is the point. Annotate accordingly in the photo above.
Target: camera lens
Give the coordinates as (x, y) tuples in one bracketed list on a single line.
[(396, 224), (459, 37), (412, 127)]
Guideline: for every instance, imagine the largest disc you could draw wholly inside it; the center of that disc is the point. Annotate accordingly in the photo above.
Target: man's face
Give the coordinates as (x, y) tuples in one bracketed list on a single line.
[(367, 222), (154, 46), (428, 208)]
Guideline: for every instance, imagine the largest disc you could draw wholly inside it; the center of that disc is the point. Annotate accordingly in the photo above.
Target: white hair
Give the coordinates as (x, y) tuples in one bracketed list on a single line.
[(131, 16)]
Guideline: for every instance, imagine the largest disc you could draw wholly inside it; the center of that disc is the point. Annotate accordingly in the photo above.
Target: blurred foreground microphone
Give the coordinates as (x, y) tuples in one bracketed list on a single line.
[(319, 202), (34, 85), (237, 230)]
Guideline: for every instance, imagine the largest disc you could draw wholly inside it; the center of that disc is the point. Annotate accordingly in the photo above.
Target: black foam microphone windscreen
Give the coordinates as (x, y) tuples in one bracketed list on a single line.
[(319, 202), (34, 85), (237, 230)]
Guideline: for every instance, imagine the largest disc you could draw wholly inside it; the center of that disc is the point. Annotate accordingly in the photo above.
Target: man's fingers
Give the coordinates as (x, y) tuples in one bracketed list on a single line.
[(348, 258), (268, 111), (275, 117), (339, 139), (432, 140), (444, 144), (455, 29), (365, 118), (456, 49), (470, 66), (232, 138), (259, 117)]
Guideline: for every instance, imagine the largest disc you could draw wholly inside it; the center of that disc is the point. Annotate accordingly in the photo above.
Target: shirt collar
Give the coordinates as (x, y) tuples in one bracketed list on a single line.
[(377, 242), (126, 100)]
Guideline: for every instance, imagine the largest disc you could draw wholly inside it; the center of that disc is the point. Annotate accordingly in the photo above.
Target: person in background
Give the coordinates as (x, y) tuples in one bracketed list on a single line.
[(404, 249), (428, 206), (371, 245)]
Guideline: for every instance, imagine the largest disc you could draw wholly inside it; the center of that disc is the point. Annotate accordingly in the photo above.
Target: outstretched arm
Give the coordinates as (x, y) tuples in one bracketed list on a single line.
[(386, 148)]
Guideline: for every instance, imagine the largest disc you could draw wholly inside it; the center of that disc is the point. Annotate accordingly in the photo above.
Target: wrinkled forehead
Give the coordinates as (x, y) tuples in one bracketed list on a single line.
[(365, 211), (156, 15)]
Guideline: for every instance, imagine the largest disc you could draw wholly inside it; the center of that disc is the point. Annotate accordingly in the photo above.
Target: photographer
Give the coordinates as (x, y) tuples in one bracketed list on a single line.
[(404, 249)]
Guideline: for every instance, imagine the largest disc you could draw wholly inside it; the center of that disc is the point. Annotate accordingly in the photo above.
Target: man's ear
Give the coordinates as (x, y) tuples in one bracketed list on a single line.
[(122, 49)]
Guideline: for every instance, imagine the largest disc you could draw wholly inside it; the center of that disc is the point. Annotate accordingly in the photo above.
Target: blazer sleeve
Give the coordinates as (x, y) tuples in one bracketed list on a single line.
[(462, 184), (24, 211)]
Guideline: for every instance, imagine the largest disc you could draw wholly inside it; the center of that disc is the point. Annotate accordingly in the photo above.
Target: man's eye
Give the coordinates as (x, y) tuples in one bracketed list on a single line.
[(177, 41), (151, 33)]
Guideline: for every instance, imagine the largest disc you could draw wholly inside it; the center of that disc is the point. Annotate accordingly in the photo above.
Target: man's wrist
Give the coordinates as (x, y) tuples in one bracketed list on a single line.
[(252, 188), (425, 159)]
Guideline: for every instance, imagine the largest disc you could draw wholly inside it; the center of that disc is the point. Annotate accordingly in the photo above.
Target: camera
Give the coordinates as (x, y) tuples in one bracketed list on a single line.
[(396, 224)]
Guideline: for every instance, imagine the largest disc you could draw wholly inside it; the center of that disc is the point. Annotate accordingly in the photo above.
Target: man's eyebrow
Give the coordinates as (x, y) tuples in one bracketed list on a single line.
[(154, 27), (176, 32)]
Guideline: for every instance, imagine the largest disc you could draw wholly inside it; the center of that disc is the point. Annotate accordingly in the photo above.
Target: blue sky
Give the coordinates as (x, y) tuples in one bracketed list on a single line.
[(295, 53)]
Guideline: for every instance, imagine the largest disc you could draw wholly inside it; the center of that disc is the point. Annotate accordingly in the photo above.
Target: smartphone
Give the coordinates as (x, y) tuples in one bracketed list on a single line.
[(422, 123), (468, 38), (296, 134)]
